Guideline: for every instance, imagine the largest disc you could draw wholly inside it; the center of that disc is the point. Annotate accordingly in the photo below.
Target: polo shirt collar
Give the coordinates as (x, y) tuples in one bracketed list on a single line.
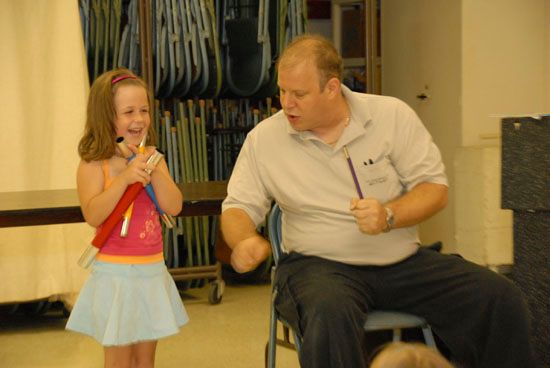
[(360, 117), (360, 112)]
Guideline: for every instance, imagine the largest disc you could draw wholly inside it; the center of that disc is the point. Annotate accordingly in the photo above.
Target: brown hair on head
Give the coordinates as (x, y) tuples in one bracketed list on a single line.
[(98, 140), (317, 49)]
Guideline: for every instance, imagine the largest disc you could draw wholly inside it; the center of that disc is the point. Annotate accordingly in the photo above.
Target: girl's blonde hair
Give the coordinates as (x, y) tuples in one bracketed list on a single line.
[(98, 140), (409, 355)]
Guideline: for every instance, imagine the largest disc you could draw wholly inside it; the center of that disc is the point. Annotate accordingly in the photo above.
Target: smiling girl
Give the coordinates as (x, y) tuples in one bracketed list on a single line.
[(130, 299)]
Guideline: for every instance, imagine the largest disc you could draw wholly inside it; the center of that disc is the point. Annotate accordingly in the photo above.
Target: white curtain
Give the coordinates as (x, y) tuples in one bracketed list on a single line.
[(43, 92)]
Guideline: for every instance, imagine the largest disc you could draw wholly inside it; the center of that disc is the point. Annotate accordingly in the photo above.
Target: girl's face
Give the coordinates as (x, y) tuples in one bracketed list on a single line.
[(132, 119)]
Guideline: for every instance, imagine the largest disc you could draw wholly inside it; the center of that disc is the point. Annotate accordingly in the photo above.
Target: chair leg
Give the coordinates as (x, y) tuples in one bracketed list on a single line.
[(297, 343), (272, 343), (426, 331), (429, 337), (396, 334), (286, 334)]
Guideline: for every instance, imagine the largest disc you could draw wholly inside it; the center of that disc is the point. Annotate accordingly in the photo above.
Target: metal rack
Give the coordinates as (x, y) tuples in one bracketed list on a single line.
[(367, 12)]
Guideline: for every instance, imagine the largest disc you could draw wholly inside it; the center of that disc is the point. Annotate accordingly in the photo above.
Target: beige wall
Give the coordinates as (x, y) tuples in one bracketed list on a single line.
[(505, 63), (43, 94), (483, 231), (42, 110), (547, 61), (480, 59), (421, 54)]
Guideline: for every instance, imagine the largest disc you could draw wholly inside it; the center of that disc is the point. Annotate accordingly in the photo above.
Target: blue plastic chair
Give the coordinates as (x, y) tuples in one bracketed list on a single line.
[(377, 320)]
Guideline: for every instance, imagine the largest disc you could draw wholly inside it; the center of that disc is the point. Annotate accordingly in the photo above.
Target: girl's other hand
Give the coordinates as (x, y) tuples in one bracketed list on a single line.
[(135, 169)]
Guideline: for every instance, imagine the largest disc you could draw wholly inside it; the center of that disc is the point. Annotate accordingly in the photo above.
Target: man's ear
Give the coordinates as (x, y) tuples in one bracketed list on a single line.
[(333, 87)]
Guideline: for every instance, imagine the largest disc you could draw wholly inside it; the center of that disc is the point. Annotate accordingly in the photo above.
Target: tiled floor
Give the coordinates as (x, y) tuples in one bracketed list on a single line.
[(231, 334)]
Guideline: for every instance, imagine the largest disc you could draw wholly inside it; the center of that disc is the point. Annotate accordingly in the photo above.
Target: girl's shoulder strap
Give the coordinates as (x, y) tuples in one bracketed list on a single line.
[(106, 172)]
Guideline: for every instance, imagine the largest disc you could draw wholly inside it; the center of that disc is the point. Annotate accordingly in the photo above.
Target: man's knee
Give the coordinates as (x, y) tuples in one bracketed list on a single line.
[(329, 305), (322, 308), (335, 309), (503, 293)]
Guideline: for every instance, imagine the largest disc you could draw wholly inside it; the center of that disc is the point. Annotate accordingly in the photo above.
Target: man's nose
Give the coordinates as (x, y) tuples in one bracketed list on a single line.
[(287, 101)]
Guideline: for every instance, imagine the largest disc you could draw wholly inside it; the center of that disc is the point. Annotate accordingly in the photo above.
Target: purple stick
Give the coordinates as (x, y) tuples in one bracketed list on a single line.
[(350, 164)]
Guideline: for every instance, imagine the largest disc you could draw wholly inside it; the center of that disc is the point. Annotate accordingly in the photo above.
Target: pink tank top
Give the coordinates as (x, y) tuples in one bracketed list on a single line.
[(144, 234)]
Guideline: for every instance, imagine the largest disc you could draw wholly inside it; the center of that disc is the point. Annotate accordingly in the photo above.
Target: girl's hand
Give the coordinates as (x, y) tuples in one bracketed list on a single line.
[(135, 169)]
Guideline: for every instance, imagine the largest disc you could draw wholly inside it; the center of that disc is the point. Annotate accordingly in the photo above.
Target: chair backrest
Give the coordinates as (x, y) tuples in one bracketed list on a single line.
[(274, 232)]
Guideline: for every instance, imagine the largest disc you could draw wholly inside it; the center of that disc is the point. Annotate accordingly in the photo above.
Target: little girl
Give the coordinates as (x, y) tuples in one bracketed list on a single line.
[(130, 299)]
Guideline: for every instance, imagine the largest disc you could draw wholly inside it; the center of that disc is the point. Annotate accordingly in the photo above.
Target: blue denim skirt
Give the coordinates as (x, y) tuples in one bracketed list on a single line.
[(122, 304)]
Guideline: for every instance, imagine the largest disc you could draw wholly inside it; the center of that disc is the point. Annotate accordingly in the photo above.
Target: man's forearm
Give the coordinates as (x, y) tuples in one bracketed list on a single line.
[(236, 226), (422, 202)]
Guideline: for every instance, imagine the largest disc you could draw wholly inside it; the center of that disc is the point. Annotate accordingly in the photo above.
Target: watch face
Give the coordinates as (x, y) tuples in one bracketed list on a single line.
[(389, 218)]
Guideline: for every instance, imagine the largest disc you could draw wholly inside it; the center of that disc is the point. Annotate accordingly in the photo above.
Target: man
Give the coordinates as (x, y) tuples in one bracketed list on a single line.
[(348, 254)]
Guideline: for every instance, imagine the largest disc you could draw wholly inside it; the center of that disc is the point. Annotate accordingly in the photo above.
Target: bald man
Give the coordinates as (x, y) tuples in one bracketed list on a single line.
[(354, 174)]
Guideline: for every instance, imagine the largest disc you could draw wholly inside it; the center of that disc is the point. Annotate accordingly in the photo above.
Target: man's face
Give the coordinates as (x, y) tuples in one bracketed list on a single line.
[(302, 100)]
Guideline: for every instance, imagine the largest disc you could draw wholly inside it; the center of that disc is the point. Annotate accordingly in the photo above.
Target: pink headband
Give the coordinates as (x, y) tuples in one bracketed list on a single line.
[(122, 77)]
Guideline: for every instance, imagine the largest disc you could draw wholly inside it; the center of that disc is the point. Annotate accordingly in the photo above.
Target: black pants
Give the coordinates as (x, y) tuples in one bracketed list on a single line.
[(479, 315)]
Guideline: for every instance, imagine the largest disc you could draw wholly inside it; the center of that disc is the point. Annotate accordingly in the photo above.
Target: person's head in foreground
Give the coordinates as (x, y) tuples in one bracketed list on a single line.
[(409, 355)]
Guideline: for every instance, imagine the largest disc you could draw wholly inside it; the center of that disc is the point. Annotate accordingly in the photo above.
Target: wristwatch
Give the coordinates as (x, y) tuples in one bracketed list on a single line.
[(390, 220)]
